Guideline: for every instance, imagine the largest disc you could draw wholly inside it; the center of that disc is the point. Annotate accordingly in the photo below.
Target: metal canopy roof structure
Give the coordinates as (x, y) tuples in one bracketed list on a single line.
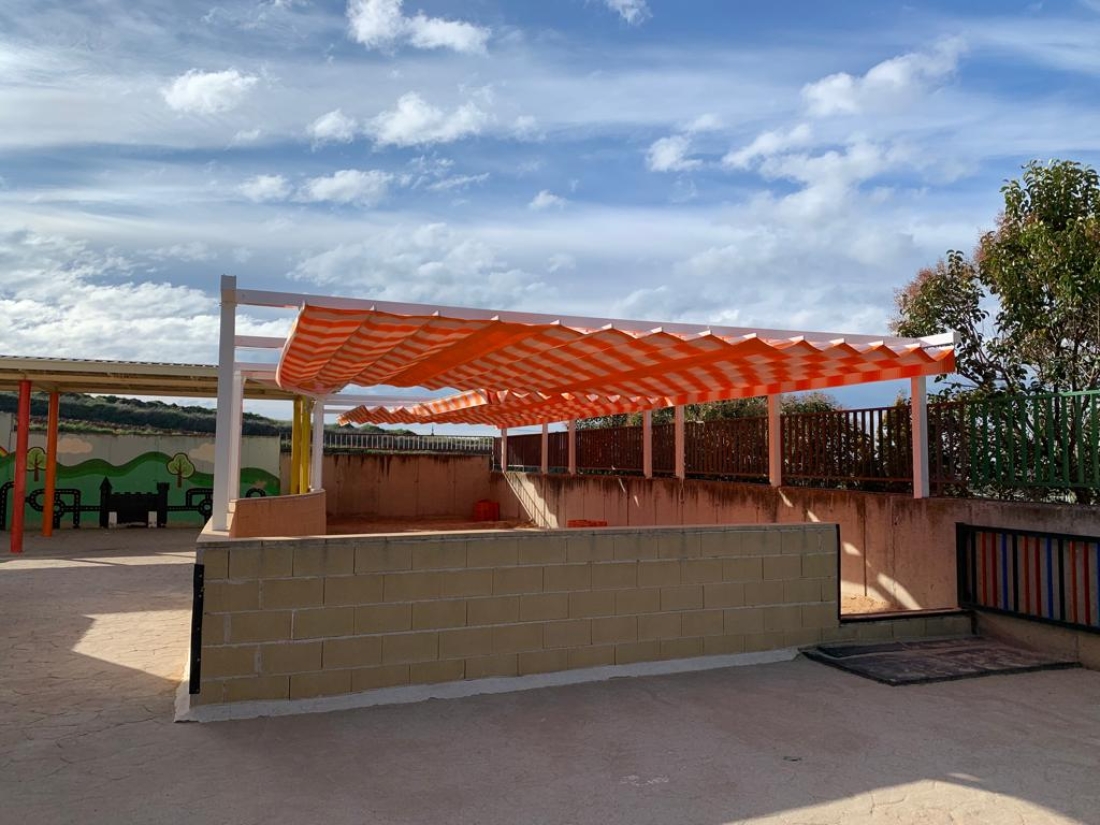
[(531, 369), (123, 378), (510, 369)]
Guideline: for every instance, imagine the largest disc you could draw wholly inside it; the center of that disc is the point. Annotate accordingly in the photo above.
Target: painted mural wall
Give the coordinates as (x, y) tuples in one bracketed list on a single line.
[(130, 475)]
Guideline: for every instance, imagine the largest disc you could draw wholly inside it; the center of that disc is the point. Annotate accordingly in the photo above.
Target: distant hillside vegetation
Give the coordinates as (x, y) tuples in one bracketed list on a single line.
[(111, 414)]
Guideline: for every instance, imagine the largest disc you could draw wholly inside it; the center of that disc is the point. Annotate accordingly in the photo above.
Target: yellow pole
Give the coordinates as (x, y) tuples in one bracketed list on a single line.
[(295, 458), (303, 448)]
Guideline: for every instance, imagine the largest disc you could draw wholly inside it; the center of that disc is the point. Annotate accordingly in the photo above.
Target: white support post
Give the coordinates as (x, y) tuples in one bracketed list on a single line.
[(678, 429), (647, 444), (918, 408), (235, 434), (317, 450), (572, 448), (504, 449), (227, 351), (775, 443), (545, 468)]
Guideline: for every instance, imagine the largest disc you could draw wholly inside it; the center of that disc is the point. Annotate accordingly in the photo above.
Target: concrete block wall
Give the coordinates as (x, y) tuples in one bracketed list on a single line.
[(305, 618)]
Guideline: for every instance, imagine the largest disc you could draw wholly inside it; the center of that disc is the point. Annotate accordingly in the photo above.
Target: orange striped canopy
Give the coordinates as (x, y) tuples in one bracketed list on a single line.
[(512, 373)]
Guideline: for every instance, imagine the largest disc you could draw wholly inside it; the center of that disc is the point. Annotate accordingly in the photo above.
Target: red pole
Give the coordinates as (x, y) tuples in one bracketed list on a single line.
[(51, 463), (19, 488)]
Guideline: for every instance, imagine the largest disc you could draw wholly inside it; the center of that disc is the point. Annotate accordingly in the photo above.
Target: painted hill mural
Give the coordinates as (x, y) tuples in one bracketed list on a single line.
[(133, 476)]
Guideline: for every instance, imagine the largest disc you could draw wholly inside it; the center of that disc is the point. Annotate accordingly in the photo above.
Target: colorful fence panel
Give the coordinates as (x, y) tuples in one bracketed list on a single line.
[(1049, 577)]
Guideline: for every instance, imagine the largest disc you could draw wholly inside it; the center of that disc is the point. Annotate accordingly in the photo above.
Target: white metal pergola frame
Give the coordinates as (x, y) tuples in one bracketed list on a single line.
[(232, 375)]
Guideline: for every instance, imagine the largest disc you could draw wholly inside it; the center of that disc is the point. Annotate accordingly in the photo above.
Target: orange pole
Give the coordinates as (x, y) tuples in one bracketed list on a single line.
[(51, 463), (19, 488)]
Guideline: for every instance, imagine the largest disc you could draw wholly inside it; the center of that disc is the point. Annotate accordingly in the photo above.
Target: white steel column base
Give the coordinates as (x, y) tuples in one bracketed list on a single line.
[(545, 464), (678, 428), (918, 408), (572, 448), (775, 443)]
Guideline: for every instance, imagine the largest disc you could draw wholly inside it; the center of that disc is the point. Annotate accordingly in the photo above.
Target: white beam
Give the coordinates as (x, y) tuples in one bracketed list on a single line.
[(647, 444), (296, 300), (224, 422), (259, 341), (918, 408), (359, 400), (317, 450), (504, 449), (572, 432), (545, 468), (775, 443), (678, 430)]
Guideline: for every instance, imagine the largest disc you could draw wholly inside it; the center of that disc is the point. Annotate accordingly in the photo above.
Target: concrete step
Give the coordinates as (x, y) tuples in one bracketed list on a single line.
[(915, 624)]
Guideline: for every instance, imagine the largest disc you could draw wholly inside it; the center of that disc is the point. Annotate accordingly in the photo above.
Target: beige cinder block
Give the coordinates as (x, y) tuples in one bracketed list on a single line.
[(325, 616)]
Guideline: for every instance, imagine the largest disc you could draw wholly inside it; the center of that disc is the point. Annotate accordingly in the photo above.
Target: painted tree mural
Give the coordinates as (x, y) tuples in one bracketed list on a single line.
[(181, 467), (36, 461)]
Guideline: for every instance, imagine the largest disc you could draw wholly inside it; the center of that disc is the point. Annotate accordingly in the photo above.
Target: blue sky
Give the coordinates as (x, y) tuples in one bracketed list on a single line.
[(787, 164)]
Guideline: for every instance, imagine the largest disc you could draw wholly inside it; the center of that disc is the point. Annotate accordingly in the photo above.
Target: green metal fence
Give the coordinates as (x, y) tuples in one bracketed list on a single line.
[(1047, 441)]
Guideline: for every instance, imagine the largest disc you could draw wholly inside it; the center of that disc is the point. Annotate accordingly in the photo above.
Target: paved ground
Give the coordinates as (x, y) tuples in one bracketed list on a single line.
[(93, 636)]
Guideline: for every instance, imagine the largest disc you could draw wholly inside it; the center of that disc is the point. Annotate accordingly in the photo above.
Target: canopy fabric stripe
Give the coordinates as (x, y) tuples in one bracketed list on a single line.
[(511, 373)]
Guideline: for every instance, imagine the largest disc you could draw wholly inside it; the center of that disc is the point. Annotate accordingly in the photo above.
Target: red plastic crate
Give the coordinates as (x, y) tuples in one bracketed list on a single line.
[(486, 510)]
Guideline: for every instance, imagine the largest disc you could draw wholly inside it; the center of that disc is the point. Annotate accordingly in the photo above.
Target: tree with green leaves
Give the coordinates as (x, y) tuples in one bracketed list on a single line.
[(1027, 304), (36, 461), (181, 467), (720, 410)]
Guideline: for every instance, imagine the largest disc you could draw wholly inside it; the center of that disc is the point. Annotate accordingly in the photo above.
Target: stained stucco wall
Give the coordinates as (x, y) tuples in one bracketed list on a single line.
[(894, 548)]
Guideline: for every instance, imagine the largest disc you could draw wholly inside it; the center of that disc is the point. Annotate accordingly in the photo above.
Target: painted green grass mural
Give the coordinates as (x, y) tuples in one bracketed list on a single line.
[(84, 481)]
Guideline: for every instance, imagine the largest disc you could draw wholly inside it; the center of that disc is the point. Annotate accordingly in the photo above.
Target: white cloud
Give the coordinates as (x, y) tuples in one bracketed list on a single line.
[(381, 24), (245, 136), (265, 188), (767, 144), (333, 127), (431, 262), (707, 122), (415, 122), (560, 262), (526, 127), (458, 182), (547, 200), (348, 186), (634, 12), (208, 93), (892, 84), (670, 155), (193, 252), (377, 24)]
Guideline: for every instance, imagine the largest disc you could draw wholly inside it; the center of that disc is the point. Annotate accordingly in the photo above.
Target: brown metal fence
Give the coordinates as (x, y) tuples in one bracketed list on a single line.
[(868, 445), (615, 449), (730, 448), (558, 444), (664, 449), (525, 451)]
